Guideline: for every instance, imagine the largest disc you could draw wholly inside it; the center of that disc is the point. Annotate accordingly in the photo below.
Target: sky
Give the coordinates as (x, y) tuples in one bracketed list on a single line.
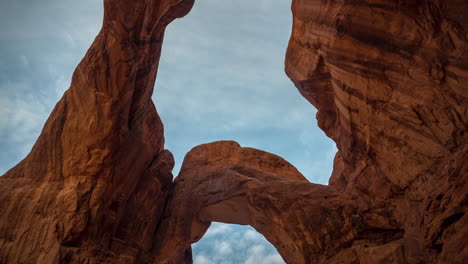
[(221, 77)]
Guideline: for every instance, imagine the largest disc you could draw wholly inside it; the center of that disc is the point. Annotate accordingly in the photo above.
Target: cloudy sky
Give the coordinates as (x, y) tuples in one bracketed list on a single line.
[(221, 76)]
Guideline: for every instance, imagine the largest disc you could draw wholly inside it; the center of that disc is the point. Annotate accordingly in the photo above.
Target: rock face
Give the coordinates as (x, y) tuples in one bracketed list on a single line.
[(389, 79), (390, 82), (94, 186), (223, 182)]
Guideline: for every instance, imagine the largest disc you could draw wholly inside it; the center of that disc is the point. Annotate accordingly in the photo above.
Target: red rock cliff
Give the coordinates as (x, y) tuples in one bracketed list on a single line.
[(93, 187), (389, 80)]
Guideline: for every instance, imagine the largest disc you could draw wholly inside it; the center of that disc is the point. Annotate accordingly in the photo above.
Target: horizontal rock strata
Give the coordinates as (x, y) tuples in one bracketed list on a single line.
[(389, 80)]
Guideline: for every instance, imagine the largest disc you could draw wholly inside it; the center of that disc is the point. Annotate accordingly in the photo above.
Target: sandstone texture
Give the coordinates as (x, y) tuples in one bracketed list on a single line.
[(223, 182), (390, 81), (93, 187)]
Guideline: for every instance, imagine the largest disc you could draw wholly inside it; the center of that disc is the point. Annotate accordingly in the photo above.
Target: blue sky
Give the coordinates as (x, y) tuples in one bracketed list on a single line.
[(221, 76)]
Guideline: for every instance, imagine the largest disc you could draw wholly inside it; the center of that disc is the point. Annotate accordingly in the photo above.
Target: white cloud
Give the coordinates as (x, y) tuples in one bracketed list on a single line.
[(217, 228), (200, 259), (235, 245), (258, 255), (22, 116), (223, 248), (252, 235), (273, 259), (67, 37), (24, 60), (22, 113)]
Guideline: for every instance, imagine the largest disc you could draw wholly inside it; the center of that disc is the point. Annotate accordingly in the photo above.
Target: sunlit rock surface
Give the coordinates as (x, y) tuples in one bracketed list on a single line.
[(94, 186), (389, 80), (223, 182)]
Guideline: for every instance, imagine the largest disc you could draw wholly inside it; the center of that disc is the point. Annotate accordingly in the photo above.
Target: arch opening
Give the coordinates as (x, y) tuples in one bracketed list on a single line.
[(229, 243)]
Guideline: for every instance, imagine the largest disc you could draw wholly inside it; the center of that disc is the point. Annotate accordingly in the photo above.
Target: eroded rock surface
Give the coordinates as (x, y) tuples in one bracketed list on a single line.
[(389, 79), (93, 188), (306, 222), (223, 182)]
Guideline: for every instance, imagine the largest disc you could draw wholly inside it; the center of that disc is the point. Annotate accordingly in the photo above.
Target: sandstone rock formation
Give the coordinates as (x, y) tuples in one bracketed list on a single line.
[(226, 183), (389, 79), (93, 188)]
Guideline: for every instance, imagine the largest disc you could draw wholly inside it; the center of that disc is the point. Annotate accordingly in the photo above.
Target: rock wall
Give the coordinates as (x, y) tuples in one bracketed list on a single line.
[(94, 186), (389, 80)]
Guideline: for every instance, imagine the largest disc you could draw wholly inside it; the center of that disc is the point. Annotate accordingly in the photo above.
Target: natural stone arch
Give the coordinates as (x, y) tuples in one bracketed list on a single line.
[(401, 171), (224, 182)]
